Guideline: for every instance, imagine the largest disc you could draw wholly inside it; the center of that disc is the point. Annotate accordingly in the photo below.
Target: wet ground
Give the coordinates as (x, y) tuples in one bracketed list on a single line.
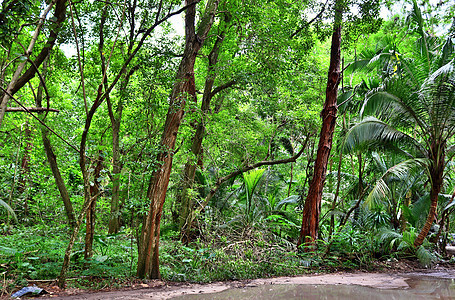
[(351, 286), (419, 288)]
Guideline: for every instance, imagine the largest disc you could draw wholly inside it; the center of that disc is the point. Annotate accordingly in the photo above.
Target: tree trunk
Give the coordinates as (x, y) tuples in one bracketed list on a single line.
[(184, 89), (312, 208), (19, 81), (183, 197), (337, 192), (436, 177), (114, 222), (90, 216), (24, 177), (52, 158)]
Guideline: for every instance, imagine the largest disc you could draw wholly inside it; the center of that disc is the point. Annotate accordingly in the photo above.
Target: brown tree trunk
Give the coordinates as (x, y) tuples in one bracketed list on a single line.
[(183, 197), (337, 192), (90, 216), (312, 208), (116, 120), (114, 222), (52, 158), (436, 177), (25, 166), (183, 90)]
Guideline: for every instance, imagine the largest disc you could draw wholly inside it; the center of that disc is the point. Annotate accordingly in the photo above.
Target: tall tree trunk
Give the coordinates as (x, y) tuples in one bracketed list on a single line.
[(436, 177), (183, 90), (337, 192), (25, 163), (116, 120), (90, 216), (183, 197), (24, 177), (114, 222), (312, 208), (52, 158)]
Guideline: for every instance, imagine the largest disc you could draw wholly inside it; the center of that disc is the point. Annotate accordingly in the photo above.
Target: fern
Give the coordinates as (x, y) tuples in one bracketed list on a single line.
[(425, 256)]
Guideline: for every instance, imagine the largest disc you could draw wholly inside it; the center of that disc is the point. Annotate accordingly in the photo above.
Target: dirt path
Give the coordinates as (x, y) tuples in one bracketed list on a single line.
[(376, 280)]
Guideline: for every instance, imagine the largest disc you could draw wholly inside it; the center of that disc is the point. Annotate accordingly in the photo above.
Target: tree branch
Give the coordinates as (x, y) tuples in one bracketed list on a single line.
[(223, 87), (39, 120), (312, 20), (247, 168), (30, 109)]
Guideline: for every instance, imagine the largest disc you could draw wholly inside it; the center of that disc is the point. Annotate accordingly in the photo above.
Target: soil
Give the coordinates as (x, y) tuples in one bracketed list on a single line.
[(390, 274)]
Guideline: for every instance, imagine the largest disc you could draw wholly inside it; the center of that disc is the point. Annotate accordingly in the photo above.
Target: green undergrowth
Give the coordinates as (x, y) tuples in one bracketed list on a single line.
[(36, 253)]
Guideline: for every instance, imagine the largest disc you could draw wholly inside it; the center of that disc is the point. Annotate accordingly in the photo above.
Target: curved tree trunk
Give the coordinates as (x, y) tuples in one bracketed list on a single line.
[(184, 89), (312, 208), (52, 158), (436, 177), (59, 182)]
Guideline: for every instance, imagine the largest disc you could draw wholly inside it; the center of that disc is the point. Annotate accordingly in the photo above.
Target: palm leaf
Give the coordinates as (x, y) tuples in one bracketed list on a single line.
[(401, 171), (294, 199), (425, 256), (8, 208), (374, 132), (252, 179)]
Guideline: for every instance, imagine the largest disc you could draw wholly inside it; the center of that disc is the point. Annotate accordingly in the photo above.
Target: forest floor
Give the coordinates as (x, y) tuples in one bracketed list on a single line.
[(390, 274)]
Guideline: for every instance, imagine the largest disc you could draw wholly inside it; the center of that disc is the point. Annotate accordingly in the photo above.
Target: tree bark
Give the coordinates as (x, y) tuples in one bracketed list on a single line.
[(184, 89), (31, 109), (59, 182), (52, 158), (234, 174), (436, 176), (312, 208), (183, 197), (90, 216)]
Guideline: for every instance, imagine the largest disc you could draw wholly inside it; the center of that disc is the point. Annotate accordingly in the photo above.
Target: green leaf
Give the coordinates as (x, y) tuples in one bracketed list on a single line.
[(8, 208)]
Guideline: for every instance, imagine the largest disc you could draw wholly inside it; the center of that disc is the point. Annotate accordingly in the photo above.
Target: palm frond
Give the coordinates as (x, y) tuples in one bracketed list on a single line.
[(372, 132), (252, 179), (425, 256), (293, 199), (8, 208), (378, 194), (401, 172), (419, 210), (447, 52), (388, 237)]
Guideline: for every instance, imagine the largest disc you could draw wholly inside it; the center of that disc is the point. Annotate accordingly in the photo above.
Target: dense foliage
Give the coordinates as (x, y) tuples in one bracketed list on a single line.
[(89, 91)]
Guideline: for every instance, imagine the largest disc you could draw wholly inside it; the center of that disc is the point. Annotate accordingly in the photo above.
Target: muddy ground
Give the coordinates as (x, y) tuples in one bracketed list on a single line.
[(391, 275)]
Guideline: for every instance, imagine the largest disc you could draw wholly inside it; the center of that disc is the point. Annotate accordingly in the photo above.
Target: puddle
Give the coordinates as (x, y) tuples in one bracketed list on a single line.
[(419, 288)]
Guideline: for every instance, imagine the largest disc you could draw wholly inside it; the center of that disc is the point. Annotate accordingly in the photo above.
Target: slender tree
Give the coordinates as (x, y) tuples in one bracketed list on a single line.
[(312, 208)]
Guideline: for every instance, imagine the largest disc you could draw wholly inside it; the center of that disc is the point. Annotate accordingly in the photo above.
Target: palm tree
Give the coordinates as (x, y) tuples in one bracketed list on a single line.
[(414, 109)]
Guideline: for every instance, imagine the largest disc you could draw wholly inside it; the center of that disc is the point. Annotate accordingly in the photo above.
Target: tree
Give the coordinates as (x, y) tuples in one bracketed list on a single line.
[(101, 94), (312, 208), (415, 109), (18, 80), (183, 198), (184, 89)]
